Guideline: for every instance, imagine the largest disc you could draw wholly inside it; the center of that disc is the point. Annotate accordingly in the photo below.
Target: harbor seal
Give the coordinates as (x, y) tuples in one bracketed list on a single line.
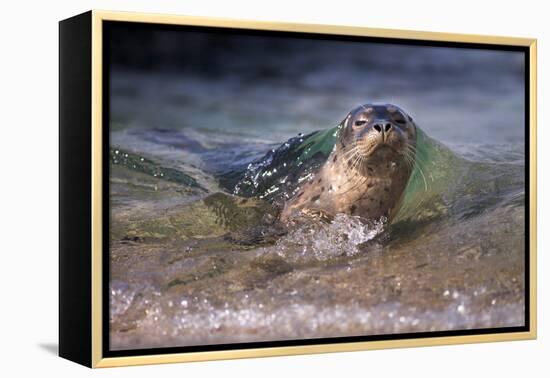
[(366, 172)]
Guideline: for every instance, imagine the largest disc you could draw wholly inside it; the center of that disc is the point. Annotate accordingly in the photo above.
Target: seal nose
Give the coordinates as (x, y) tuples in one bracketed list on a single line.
[(386, 127)]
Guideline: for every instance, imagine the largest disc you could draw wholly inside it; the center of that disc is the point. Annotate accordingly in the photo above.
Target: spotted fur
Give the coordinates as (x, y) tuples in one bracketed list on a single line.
[(372, 161)]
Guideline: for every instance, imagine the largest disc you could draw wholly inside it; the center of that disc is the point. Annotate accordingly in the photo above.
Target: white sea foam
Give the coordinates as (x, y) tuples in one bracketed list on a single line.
[(341, 237)]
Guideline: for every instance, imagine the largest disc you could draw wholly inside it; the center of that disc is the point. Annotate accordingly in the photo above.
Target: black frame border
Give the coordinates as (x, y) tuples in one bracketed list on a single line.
[(75, 181)]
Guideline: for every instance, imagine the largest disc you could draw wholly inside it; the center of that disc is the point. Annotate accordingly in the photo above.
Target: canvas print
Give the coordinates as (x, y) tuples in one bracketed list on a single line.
[(270, 187)]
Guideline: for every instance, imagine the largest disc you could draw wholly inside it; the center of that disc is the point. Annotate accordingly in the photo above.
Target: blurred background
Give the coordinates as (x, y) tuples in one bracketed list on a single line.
[(272, 87)]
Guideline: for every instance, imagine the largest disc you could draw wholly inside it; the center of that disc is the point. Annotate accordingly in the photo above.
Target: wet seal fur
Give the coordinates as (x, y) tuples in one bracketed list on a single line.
[(367, 171)]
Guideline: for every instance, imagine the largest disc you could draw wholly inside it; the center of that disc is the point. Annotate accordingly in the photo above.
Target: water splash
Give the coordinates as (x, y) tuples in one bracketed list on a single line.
[(197, 320), (144, 165), (120, 299), (277, 175), (322, 241)]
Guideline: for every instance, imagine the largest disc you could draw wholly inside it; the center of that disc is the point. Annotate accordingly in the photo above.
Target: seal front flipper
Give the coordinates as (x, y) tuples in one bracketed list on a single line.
[(319, 214)]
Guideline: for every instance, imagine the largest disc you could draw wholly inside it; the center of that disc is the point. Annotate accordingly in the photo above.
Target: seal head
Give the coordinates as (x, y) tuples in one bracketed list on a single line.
[(367, 171)]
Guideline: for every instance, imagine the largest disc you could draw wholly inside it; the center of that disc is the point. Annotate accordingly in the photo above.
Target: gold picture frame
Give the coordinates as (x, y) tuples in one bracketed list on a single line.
[(89, 331)]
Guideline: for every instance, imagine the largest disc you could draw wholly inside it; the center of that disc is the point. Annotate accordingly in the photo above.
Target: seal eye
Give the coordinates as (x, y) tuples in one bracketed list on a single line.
[(360, 123), (400, 120)]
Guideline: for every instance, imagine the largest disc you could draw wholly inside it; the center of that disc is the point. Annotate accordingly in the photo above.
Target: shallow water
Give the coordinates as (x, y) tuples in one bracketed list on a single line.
[(192, 264)]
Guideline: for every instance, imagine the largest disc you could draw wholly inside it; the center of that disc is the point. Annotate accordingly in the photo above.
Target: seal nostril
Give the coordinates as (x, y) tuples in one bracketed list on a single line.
[(387, 128), (377, 128)]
